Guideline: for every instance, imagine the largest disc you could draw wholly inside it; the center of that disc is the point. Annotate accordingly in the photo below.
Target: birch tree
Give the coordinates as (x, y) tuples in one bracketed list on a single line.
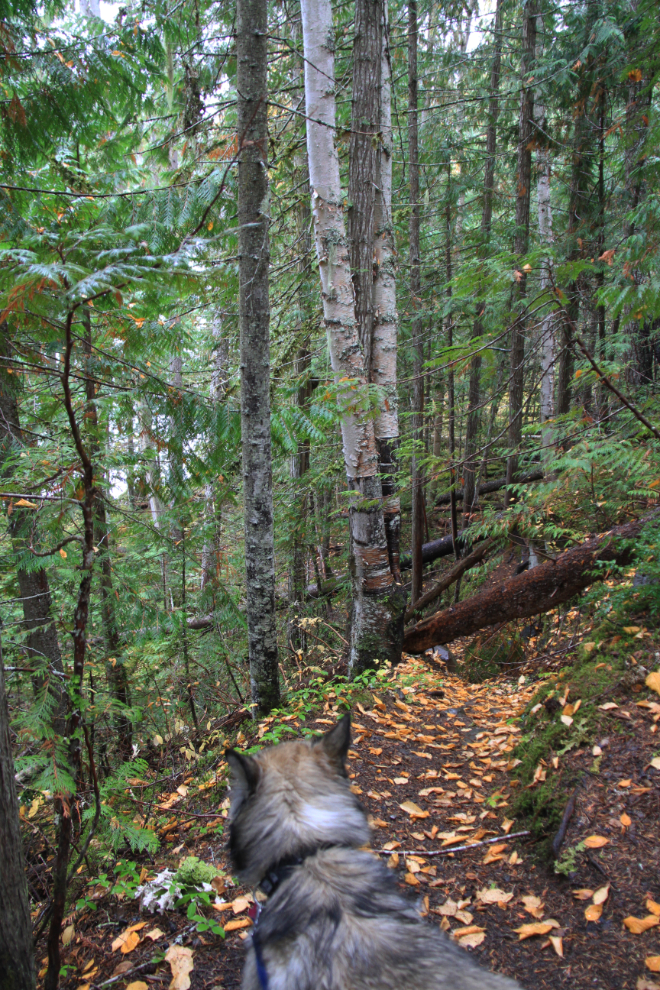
[(254, 319), (383, 370), (378, 604)]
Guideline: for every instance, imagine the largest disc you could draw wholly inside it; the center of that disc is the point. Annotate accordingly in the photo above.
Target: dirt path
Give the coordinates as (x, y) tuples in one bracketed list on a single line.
[(433, 761)]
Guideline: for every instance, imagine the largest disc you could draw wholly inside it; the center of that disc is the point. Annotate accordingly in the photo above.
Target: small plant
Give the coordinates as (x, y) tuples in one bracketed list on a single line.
[(567, 862)]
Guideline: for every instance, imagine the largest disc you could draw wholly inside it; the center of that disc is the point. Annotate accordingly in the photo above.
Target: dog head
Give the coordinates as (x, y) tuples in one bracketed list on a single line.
[(291, 799)]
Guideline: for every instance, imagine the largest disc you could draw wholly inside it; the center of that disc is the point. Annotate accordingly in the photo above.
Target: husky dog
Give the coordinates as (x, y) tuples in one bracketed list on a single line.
[(334, 919)]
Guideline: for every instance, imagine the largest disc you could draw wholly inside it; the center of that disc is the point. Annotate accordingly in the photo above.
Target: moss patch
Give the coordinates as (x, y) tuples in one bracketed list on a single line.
[(491, 655), (593, 680)]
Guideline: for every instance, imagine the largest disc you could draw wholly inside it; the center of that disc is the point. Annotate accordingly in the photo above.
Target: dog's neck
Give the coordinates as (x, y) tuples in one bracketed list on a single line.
[(283, 869)]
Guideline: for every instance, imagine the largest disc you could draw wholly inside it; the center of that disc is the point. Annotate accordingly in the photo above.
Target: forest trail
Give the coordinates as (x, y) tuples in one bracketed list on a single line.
[(433, 760)]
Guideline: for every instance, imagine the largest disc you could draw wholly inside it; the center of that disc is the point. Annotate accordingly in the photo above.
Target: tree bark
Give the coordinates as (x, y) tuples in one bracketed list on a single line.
[(363, 162), (493, 485), (42, 644), (521, 238), (254, 317), (418, 514), (537, 590), (474, 396), (17, 970), (377, 607), (212, 508), (579, 196), (456, 572), (300, 460), (383, 369), (115, 669)]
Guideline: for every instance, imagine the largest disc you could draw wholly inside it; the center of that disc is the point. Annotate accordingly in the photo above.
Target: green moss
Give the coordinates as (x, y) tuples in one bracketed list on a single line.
[(489, 656), (193, 872), (591, 680)]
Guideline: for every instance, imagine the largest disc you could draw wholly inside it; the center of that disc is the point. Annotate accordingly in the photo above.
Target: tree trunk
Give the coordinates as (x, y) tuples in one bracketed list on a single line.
[(363, 162), (521, 238), (418, 514), (579, 197), (115, 669), (383, 371), (378, 605), (300, 460), (474, 396), (42, 646), (156, 507), (640, 359), (212, 508), (254, 317), (534, 591), (17, 970)]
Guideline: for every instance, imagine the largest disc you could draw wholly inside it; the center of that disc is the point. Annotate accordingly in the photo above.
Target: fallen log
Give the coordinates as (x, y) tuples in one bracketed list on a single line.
[(493, 485), (448, 579), (430, 552), (529, 593)]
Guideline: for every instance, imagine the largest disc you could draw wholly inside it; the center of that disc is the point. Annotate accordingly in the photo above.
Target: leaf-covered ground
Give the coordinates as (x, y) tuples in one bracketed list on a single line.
[(450, 773)]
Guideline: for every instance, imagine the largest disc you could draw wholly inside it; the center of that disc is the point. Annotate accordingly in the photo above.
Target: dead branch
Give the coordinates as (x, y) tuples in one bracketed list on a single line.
[(529, 593)]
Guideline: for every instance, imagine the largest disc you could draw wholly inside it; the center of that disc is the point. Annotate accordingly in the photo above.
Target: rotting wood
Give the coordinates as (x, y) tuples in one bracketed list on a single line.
[(529, 593), (493, 486), (448, 579)]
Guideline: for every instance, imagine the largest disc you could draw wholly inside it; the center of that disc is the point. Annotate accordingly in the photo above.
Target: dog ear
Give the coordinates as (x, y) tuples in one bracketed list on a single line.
[(336, 741), (245, 771)]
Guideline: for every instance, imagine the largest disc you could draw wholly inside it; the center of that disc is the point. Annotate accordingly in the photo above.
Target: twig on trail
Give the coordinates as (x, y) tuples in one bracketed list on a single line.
[(558, 840), (451, 849), (143, 966)]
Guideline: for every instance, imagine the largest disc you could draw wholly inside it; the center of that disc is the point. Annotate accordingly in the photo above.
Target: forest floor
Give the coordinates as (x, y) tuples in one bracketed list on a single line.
[(437, 763)]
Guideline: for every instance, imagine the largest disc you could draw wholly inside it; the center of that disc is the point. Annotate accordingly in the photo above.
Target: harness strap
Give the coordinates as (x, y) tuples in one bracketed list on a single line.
[(259, 957)]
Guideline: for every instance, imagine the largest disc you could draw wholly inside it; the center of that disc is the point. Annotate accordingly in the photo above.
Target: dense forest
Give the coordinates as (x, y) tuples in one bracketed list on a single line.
[(312, 316)]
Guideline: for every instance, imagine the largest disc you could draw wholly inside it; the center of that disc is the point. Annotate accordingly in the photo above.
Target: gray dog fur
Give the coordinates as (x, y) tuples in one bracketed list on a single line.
[(337, 920)]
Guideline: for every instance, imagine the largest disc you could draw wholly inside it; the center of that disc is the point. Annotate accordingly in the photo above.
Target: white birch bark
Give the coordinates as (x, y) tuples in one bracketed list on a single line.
[(383, 368), (384, 346), (358, 438), (377, 614)]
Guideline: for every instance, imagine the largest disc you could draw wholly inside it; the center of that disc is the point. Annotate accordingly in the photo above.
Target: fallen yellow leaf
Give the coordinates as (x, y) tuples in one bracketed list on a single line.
[(655, 762), (652, 681), (468, 930), (584, 894), (640, 925), (137, 985), (493, 895), (154, 935), (653, 963), (495, 852), (180, 959), (67, 934), (593, 912), (533, 905), (472, 940), (536, 928), (126, 942), (653, 907), (237, 923), (413, 810), (601, 895), (240, 904), (595, 841), (557, 945), (625, 819)]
